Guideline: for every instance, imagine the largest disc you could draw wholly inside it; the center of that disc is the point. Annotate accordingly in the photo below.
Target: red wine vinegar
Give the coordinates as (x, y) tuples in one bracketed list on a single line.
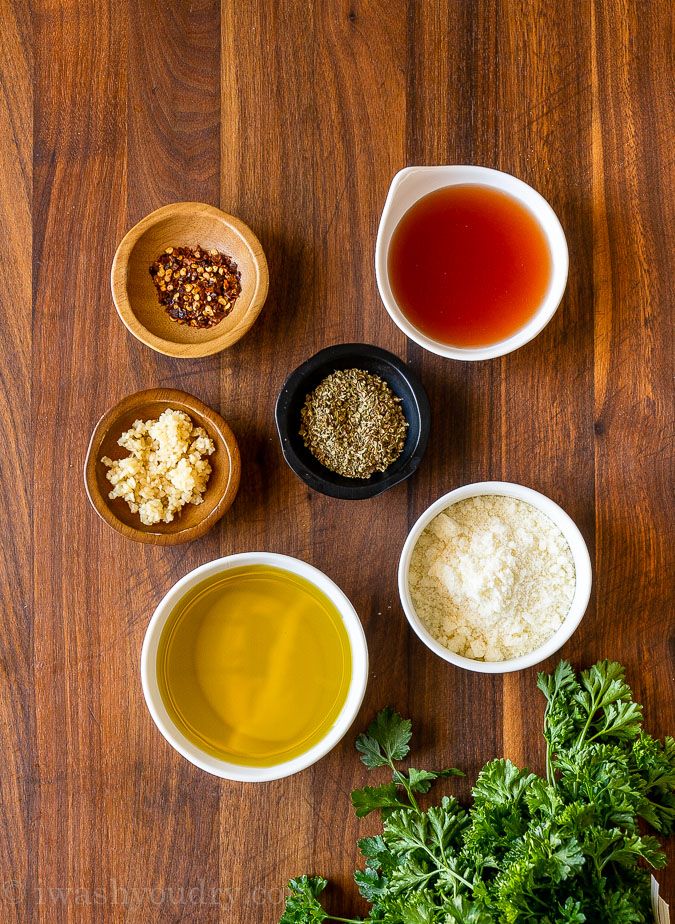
[(469, 265)]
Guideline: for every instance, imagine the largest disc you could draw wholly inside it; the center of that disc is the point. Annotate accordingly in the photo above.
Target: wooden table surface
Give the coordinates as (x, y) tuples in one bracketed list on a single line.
[(295, 116)]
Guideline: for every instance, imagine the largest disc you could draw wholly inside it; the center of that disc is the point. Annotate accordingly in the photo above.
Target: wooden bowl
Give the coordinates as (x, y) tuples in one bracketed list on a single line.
[(186, 224), (194, 519)]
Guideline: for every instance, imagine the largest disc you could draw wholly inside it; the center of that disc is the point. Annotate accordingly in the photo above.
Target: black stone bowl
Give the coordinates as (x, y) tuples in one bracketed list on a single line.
[(402, 382)]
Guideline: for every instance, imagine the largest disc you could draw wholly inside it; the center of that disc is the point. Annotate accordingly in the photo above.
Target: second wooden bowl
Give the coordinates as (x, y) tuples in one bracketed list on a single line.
[(186, 224), (194, 519)]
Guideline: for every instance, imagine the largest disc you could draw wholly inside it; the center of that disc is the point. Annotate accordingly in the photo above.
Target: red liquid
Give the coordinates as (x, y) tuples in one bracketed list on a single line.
[(469, 265)]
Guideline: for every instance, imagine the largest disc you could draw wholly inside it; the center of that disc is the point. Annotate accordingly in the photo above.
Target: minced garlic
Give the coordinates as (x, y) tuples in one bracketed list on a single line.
[(492, 578), (166, 469)]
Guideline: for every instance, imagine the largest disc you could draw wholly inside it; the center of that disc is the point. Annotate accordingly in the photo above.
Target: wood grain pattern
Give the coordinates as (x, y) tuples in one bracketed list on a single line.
[(294, 117), (79, 160), (20, 800), (633, 221)]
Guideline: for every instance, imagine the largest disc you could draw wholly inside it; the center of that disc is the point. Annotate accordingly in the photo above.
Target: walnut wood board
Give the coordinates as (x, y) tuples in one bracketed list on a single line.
[(294, 116)]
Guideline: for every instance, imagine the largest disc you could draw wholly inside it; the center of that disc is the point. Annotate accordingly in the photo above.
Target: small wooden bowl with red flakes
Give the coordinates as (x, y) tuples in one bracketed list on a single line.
[(186, 224)]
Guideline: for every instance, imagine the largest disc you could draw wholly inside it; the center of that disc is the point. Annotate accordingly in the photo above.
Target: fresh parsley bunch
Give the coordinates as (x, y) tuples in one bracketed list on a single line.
[(562, 850)]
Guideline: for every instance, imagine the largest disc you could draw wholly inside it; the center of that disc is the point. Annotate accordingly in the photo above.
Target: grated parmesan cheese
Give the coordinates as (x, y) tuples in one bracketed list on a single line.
[(492, 578)]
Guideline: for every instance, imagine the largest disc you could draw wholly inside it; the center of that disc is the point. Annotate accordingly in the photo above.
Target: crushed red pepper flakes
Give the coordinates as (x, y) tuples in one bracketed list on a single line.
[(196, 286)]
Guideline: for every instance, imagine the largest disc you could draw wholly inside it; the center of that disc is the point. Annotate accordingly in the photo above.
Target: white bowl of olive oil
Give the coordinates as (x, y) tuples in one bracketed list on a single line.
[(254, 666)]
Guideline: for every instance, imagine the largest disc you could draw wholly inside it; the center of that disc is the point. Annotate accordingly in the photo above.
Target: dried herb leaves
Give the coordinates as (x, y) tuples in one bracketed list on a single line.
[(353, 423)]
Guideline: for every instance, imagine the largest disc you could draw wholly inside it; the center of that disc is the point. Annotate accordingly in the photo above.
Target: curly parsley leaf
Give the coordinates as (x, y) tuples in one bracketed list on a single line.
[(384, 797), (372, 885), (624, 906), (501, 782), (595, 707), (463, 911), (565, 849), (302, 906), (447, 823), (420, 910), (562, 682), (570, 912), (607, 701), (599, 775), (374, 849), (653, 765), (613, 846), (428, 844), (421, 780), (387, 739)]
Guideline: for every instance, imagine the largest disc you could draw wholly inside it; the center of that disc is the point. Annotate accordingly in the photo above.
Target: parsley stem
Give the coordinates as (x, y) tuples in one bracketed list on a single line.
[(330, 917), (550, 773), (538, 900), (445, 867), (402, 781), (596, 704)]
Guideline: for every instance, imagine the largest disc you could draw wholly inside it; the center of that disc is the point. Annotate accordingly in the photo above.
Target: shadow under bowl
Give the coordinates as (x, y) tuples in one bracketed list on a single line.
[(404, 384)]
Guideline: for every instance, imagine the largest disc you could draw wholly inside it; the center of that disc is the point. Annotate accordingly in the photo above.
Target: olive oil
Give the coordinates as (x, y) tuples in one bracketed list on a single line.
[(254, 665)]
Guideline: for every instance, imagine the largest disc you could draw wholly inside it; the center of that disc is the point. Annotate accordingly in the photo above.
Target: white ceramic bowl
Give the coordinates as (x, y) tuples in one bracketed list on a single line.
[(355, 693), (411, 184), (582, 566)]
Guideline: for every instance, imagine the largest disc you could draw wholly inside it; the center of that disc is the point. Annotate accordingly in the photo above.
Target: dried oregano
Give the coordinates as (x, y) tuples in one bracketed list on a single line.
[(353, 423)]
